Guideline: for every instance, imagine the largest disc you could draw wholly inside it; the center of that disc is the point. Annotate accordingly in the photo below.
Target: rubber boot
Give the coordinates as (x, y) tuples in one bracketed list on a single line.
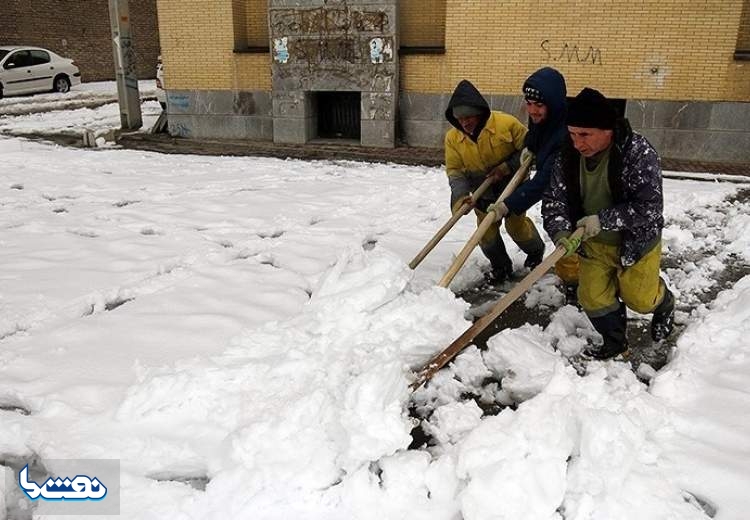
[(502, 265), (662, 322), (612, 327), (534, 249)]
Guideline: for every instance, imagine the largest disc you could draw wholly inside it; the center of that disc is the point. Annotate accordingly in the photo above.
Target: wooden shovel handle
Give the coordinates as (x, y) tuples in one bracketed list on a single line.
[(488, 221), (463, 210), (465, 339)]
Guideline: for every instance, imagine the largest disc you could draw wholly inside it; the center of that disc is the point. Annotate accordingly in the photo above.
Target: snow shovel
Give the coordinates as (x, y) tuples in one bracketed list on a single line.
[(463, 210), (488, 221), (465, 339)]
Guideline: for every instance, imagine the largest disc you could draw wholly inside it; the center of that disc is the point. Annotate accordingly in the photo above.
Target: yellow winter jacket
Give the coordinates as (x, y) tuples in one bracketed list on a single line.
[(501, 136)]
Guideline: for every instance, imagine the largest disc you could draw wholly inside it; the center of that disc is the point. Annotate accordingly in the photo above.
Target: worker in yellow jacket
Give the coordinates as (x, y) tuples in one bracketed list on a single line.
[(486, 143)]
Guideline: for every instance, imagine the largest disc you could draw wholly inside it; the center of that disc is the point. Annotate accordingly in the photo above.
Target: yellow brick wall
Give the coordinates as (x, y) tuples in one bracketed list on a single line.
[(197, 42), (421, 23), (257, 23), (743, 39), (239, 23), (650, 49)]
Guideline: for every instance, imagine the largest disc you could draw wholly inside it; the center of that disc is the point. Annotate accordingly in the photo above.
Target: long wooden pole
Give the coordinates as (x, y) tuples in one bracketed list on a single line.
[(465, 339), (488, 221), (463, 210)]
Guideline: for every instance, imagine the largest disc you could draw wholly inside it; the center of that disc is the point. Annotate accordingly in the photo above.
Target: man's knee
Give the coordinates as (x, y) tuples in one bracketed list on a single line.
[(520, 228), (491, 236), (641, 287), (597, 296), (643, 300), (596, 305)]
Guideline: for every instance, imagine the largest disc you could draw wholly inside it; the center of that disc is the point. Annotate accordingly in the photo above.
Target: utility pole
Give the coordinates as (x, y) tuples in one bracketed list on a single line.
[(124, 54)]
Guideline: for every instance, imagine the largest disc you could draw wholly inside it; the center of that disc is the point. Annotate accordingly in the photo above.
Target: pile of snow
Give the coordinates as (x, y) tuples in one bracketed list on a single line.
[(252, 324)]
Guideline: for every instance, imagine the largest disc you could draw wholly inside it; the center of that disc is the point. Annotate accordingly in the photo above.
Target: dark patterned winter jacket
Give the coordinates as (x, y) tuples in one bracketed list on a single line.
[(635, 181)]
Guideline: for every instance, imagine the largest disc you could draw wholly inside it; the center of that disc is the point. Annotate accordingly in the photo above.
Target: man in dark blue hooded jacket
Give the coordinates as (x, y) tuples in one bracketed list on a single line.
[(544, 92)]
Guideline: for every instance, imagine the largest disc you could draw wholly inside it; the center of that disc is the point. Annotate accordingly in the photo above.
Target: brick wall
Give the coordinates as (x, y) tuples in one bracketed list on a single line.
[(257, 23), (743, 38), (648, 49), (421, 23), (80, 30), (198, 42)]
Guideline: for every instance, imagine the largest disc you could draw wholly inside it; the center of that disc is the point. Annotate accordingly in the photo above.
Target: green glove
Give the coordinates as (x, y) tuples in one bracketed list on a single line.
[(570, 244)]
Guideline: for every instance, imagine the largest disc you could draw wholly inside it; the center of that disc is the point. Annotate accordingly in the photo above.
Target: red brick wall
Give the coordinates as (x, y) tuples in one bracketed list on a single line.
[(79, 29)]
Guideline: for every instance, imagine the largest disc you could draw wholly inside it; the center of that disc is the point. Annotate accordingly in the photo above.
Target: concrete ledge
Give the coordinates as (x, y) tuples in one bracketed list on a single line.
[(220, 127), (219, 102), (692, 130), (331, 151), (430, 134), (689, 131), (378, 133)]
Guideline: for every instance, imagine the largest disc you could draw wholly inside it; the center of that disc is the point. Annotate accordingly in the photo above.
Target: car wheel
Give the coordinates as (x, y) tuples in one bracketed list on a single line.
[(61, 84)]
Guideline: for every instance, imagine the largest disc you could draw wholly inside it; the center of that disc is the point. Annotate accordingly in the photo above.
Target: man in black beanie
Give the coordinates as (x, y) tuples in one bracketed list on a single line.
[(607, 180)]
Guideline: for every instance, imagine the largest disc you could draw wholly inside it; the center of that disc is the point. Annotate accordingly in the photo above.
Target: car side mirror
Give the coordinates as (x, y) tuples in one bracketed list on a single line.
[(10, 65)]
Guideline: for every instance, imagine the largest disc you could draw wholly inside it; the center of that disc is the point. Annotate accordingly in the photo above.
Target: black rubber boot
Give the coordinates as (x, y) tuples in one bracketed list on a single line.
[(612, 327), (662, 322), (534, 249), (502, 265), (533, 259)]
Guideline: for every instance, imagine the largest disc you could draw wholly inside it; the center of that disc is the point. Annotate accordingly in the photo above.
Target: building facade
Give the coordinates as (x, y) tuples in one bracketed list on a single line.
[(381, 73), (80, 30)]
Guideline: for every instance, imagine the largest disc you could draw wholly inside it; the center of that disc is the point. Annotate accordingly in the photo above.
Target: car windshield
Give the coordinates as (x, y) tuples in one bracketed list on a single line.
[(3, 54)]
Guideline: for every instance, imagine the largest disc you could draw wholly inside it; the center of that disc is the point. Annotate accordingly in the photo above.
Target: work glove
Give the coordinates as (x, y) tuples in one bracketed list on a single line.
[(500, 210), (591, 226), (570, 244), (500, 171), (460, 202), (527, 155)]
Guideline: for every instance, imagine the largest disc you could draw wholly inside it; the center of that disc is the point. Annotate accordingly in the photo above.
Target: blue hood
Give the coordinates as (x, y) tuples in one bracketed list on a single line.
[(544, 139), (551, 84)]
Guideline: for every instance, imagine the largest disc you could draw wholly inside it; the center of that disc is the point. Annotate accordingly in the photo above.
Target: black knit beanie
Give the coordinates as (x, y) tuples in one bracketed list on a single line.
[(590, 109), (532, 94)]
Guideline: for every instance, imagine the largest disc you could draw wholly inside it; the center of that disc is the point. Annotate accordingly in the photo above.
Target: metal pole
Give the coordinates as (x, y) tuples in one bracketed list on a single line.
[(124, 55)]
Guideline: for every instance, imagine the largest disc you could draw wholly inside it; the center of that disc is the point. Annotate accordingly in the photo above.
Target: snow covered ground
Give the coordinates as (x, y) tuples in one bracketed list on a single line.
[(250, 326), (88, 106)]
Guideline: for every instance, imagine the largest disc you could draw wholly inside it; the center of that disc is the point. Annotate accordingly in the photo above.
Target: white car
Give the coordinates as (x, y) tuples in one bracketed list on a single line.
[(161, 96), (24, 70)]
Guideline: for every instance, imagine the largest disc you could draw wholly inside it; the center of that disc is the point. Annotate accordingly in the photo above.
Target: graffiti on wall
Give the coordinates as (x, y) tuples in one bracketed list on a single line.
[(346, 49), (178, 102), (380, 50), (377, 105), (128, 56), (342, 47), (327, 20), (571, 53), (280, 50), (315, 51)]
